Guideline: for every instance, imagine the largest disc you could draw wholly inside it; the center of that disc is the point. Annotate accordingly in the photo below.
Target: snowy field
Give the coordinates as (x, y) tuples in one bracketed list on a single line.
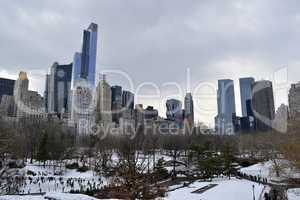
[(265, 170), (45, 180), (293, 194), (234, 189), (56, 196)]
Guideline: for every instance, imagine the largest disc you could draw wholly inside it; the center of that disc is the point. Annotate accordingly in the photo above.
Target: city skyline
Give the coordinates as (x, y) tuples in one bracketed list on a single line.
[(126, 45)]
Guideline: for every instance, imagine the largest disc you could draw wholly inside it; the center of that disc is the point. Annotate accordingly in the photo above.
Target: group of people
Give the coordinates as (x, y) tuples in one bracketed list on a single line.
[(256, 178), (42, 184)]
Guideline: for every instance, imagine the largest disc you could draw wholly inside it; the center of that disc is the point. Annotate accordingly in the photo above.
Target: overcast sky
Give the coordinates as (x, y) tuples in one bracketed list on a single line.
[(156, 41)]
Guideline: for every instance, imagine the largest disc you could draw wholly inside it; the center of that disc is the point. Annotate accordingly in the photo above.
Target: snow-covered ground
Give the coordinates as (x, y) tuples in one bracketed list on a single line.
[(45, 180), (293, 194), (233, 189), (266, 170), (52, 195)]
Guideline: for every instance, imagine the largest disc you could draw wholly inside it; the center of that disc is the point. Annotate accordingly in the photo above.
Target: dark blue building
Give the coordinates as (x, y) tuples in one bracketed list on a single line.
[(58, 87), (116, 103), (127, 100), (6, 87)]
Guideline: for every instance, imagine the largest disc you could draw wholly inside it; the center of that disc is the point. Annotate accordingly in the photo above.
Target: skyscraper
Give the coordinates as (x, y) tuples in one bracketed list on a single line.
[(263, 104), (174, 111), (103, 107), (226, 106), (189, 109), (28, 103), (58, 88), (21, 86), (245, 91), (84, 63), (127, 99), (6, 87), (83, 81), (116, 103), (294, 101), (83, 109)]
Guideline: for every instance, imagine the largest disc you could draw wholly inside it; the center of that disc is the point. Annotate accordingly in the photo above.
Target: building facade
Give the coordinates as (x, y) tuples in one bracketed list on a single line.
[(116, 103), (29, 104), (294, 101), (127, 99), (83, 82), (263, 105), (6, 87), (174, 111), (245, 92), (189, 109), (103, 98), (58, 88), (7, 106), (226, 107), (84, 63), (83, 110)]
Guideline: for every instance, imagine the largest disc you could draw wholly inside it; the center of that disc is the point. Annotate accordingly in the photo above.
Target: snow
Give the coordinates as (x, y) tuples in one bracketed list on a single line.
[(293, 194), (233, 189), (56, 196), (265, 170), (56, 183)]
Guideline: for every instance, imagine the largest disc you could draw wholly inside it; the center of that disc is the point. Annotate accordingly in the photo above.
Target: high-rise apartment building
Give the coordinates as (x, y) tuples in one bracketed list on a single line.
[(263, 104), (245, 92), (174, 111), (83, 110), (294, 101), (116, 103), (127, 99), (83, 81), (226, 107), (58, 88), (189, 109), (6, 87), (84, 63), (28, 103), (103, 98)]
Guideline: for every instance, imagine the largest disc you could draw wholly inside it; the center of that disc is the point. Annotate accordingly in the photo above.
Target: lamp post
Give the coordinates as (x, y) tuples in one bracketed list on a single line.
[(253, 191)]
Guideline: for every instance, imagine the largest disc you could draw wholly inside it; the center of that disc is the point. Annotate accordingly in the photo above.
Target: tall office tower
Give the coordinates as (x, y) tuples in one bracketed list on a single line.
[(116, 103), (83, 80), (226, 107), (127, 99), (6, 87), (139, 116), (84, 63), (263, 104), (28, 103), (58, 84), (103, 98), (21, 87), (294, 101), (245, 91), (150, 116), (174, 111), (189, 109), (83, 109), (46, 92)]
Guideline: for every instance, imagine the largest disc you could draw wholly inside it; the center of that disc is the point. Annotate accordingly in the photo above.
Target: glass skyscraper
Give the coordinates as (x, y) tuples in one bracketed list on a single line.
[(245, 91), (116, 102), (84, 63), (226, 106), (58, 85)]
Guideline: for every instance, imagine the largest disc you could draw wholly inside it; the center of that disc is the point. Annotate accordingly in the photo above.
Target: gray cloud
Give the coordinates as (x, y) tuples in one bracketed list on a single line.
[(155, 40)]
